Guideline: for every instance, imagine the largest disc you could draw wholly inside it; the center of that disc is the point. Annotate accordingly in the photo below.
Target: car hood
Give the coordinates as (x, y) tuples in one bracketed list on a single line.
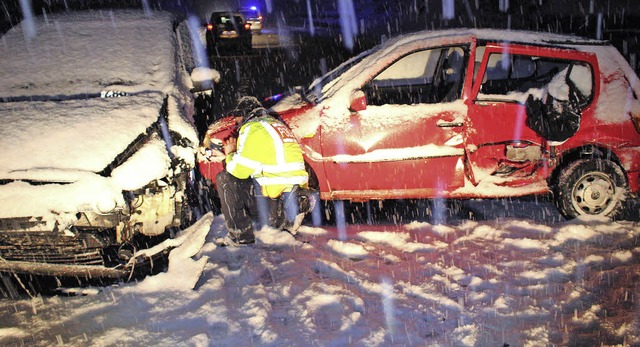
[(77, 53), (57, 141)]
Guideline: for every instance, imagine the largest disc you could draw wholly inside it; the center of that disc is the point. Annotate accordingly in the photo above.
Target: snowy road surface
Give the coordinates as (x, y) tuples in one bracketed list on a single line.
[(499, 279)]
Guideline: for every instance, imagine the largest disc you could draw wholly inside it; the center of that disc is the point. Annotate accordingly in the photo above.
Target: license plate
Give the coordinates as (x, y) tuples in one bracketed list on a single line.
[(229, 34)]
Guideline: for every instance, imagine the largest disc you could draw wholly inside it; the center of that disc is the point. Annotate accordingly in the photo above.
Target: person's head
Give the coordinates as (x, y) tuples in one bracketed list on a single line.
[(246, 108)]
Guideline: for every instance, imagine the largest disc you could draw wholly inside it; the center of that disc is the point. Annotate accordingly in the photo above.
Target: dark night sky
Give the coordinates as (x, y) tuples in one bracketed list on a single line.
[(519, 10), (620, 18)]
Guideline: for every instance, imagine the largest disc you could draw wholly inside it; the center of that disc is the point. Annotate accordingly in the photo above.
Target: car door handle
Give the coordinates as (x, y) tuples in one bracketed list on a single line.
[(450, 124)]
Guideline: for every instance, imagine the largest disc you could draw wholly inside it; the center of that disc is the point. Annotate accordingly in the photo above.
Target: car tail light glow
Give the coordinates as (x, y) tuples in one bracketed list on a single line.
[(210, 26), (247, 26)]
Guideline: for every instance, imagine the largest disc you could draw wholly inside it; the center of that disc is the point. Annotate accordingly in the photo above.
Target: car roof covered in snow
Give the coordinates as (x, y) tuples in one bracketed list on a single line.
[(80, 52), (494, 35), (383, 54), (529, 37), (56, 140), (54, 122)]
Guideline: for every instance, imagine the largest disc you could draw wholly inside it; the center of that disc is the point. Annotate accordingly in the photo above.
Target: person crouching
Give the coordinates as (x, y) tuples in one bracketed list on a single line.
[(264, 178)]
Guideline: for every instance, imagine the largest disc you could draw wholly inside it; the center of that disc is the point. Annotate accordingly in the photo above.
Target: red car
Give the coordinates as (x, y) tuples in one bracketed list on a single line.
[(471, 114)]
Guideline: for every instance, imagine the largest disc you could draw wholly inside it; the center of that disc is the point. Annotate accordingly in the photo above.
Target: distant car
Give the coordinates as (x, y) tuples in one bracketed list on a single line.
[(98, 141), (253, 17), (471, 114), (228, 30)]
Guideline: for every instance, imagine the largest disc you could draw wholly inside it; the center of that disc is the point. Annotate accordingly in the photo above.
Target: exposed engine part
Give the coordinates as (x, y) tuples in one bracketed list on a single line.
[(154, 212), (123, 233), (90, 219), (523, 154), (126, 252)]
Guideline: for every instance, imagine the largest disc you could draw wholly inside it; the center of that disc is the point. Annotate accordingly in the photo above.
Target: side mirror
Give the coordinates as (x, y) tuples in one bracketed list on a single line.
[(358, 101), (203, 79)]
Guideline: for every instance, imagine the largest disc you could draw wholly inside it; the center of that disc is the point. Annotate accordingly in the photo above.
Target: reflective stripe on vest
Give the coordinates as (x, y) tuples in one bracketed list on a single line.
[(256, 166), (231, 165), (259, 167), (266, 181), (277, 142)]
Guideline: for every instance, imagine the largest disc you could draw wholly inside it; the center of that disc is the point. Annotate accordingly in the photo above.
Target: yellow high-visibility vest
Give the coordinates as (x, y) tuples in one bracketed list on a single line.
[(268, 151)]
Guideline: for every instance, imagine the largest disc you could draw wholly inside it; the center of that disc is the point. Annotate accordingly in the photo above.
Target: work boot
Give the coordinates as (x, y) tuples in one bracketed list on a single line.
[(242, 237), (306, 200), (306, 203), (228, 241)]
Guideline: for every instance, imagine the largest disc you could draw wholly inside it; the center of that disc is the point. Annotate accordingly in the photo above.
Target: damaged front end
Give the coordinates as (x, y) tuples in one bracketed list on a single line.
[(96, 245), (102, 241)]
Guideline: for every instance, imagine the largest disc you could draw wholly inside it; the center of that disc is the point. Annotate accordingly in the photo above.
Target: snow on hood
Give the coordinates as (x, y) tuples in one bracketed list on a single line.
[(85, 52), (68, 136), (56, 128), (42, 143), (73, 57)]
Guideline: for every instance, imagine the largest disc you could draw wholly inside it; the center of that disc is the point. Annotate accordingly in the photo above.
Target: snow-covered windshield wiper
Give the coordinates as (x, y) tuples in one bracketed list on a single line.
[(303, 92)]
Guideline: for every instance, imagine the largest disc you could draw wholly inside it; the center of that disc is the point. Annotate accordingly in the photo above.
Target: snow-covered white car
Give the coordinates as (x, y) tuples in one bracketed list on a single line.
[(471, 113), (97, 139)]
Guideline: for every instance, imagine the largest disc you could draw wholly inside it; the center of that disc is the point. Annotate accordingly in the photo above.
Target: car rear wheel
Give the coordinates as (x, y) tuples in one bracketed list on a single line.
[(591, 187)]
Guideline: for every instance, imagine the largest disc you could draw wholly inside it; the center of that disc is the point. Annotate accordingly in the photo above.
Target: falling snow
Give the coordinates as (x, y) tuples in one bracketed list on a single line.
[(498, 272), (524, 279)]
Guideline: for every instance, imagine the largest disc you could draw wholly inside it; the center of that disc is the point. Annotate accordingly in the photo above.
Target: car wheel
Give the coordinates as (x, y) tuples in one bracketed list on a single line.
[(591, 187)]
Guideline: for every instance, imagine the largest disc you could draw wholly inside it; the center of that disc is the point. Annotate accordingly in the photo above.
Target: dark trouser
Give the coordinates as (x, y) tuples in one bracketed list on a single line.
[(243, 204), (238, 204)]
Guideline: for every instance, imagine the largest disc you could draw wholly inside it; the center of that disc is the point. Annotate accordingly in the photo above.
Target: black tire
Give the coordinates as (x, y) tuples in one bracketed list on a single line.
[(247, 48), (591, 187)]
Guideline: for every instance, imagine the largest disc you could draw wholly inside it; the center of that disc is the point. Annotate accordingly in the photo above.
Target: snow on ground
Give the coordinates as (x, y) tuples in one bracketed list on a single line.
[(516, 274)]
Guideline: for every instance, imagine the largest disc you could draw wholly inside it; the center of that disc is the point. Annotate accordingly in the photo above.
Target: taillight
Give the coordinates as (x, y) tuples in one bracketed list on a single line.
[(210, 26), (247, 26)]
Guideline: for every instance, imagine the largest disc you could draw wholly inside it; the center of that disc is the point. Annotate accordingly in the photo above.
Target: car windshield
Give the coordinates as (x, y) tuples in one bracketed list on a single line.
[(227, 21), (314, 93)]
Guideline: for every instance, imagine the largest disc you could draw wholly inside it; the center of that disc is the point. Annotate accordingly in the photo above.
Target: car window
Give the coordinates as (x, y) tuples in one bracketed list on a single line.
[(513, 77), (426, 76), (478, 60), (414, 68), (227, 20)]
